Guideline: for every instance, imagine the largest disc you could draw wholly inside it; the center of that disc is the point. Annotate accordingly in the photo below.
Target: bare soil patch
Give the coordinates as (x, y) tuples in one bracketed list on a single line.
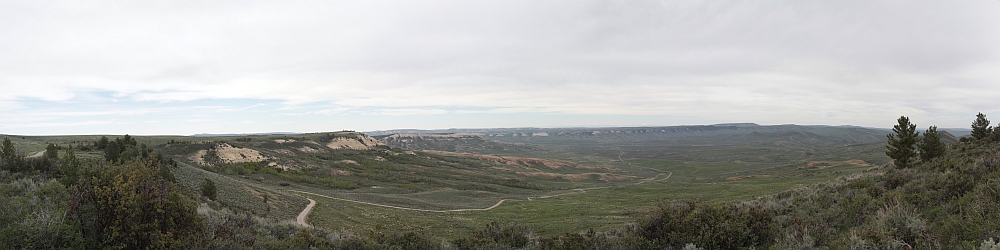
[(229, 154), (306, 149), (361, 143), (226, 153)]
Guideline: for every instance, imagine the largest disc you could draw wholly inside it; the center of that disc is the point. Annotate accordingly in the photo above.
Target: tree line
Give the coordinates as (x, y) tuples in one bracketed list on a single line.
[(906, 144)]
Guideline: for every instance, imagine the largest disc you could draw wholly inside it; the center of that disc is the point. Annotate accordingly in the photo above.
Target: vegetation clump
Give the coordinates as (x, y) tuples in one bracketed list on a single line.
[(930, 145), (130, 206), (901, 145), (981, 128), (208, 189)]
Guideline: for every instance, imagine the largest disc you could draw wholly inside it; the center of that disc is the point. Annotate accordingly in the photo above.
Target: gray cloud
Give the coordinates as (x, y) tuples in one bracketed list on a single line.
[(842, 62)]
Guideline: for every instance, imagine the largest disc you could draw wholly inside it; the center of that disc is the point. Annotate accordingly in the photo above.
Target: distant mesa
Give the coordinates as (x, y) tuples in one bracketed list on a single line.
[(741, 125), (249, 134), (438, 135)]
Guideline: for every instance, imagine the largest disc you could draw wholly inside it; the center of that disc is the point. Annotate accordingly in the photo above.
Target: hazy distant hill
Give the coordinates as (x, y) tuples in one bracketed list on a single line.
[(948, 138), (735, 133), (958, 132), (246, 134), (458, 142)]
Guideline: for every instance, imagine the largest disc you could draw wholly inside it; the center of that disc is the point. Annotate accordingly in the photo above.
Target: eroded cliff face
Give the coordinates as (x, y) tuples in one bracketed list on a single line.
[(225, 153), (361, 142)]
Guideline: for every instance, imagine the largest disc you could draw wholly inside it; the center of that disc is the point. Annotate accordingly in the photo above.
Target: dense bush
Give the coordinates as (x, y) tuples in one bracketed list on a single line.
[(130, 206), (32, 214), (712, 226), (497, 235), (208, 189)]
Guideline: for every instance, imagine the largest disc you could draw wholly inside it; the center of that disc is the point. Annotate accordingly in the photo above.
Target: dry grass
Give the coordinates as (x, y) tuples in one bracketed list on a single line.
[(578, 177)]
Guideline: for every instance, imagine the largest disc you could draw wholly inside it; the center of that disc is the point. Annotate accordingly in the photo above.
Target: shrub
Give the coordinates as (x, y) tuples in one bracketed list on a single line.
[(33, 215), (208, 189), (130, 206), (675, 224), (497, 235)]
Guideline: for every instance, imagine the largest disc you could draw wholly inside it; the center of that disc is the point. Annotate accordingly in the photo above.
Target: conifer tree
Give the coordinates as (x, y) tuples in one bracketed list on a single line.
[(901, 145), (981, 127), (51, 151), (70, 168), (100, 144), (7, 151), (9, 159), (931, 146)]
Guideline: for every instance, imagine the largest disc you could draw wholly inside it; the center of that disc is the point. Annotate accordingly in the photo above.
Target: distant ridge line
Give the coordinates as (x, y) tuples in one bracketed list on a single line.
[(492, 130), (247, 134)]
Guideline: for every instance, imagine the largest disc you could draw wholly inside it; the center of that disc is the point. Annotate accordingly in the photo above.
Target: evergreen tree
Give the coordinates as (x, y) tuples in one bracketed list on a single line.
[(70, 168), (981, 127), (931, 146), (901, 145), (7, 151), (996, 134), (100, 144), (51, 151), (112, 151)]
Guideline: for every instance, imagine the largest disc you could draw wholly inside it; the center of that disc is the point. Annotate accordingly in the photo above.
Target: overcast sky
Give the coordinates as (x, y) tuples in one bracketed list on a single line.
[(185, 67)]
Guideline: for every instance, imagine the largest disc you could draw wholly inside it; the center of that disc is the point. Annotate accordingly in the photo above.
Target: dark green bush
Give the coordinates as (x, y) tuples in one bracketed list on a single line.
[(710, 226), (130, 206), (208, 189), (496, 235)]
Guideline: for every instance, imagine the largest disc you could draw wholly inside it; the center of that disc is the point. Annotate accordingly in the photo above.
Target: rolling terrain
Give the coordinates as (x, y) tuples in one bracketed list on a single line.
[(553, 180)]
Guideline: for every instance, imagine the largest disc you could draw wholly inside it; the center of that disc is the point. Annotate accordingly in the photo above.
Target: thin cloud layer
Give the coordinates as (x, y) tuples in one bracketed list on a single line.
[(325, 65)]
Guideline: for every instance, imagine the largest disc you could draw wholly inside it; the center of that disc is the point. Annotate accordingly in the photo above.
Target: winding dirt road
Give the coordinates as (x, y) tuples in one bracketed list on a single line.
[(302, 216), (301, 219), (396, 207)]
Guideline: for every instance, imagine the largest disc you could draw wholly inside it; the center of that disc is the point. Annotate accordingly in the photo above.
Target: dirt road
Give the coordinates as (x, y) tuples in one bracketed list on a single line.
[(395, 207), (301, 219), (302, 216)]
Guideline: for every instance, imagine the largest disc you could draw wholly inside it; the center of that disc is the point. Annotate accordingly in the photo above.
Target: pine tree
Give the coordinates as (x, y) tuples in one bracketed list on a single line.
[(51, 151), (931, 146), (981, 127), (9, 160), (100, 144), (70, 168), (7, 151), (901, 146)]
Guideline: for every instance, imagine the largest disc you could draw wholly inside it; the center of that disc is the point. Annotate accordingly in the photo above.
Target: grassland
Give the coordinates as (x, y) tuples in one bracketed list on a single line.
[(598, 209), (714, 165)]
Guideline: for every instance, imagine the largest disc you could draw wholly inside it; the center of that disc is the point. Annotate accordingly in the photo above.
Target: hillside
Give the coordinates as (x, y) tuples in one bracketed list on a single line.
[(721, 132), (458, 142), (945, 203), (553, 184), (357, 167)]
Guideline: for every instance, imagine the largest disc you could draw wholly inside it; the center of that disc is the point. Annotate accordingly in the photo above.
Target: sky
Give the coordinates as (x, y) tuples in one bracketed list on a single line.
[(187, 67)]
